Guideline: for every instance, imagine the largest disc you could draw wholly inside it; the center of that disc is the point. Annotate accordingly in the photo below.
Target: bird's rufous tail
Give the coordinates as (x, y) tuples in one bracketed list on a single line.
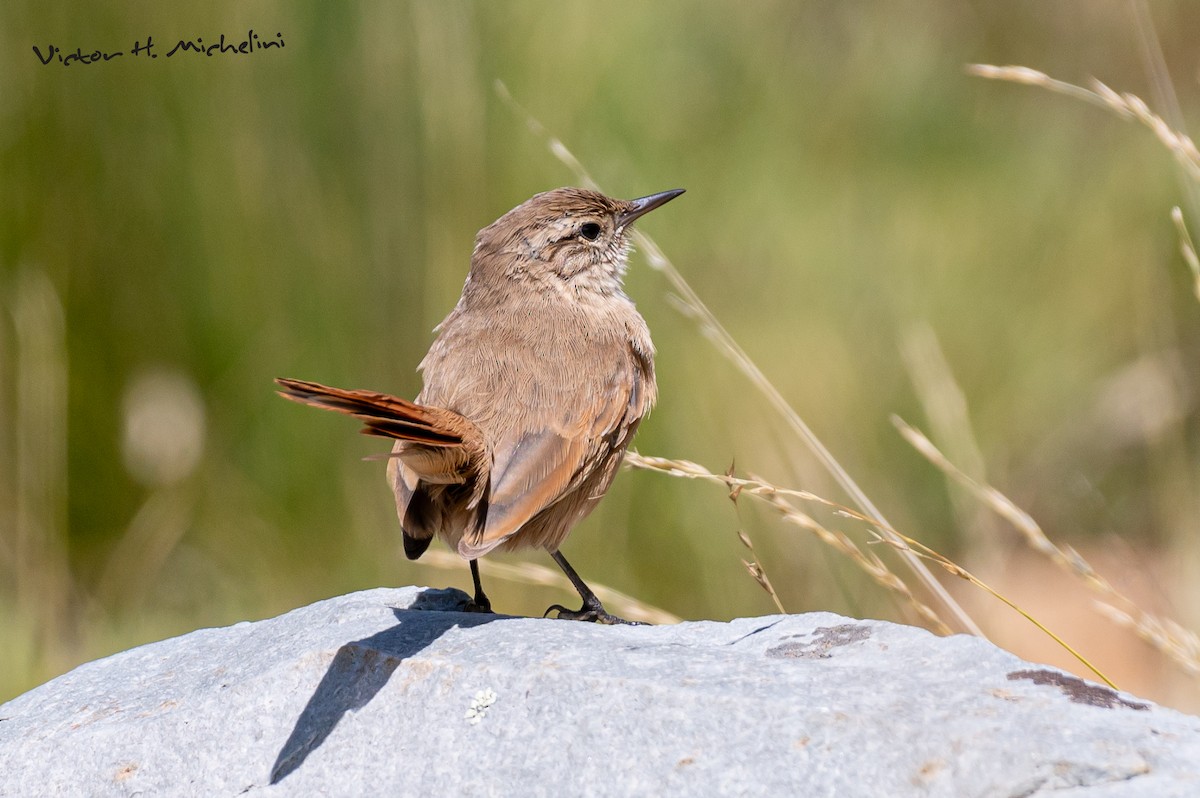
[(384, 415)]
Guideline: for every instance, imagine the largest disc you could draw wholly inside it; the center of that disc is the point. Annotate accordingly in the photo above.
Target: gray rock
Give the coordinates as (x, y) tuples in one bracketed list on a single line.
[(393, 692)]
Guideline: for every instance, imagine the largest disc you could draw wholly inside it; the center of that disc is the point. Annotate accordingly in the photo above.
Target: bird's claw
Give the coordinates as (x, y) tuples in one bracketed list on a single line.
[(594, 614)]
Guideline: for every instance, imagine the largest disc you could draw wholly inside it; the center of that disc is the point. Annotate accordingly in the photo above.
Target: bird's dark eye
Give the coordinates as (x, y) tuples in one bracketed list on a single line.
[(590, 231)]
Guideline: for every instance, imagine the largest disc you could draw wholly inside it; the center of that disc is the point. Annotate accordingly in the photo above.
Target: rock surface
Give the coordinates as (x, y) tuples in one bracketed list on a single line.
[(393, 692)]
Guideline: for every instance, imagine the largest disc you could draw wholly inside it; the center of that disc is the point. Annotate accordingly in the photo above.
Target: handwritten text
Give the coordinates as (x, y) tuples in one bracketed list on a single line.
[(148, 49)]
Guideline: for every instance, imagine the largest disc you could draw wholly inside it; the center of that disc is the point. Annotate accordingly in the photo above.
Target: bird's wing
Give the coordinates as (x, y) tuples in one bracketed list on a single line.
[(537, 469), (530, 474)]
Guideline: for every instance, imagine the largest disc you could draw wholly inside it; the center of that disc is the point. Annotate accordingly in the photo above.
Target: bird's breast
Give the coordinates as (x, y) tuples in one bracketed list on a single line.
[(537, 363)]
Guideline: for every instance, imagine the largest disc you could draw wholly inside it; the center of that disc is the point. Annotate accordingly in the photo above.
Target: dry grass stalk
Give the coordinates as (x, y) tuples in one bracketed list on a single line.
[(1169, 637), (528, 573), (756, 570), (1187, 249), (869, 562), (1165, 96), (945, 405), (1162, 633), (921, 550), (1125, 105), (694, 308), (753, 565), (1130, 107)]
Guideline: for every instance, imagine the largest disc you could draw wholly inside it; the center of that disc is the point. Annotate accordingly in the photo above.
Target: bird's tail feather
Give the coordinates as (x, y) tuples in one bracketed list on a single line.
[(383, 415)]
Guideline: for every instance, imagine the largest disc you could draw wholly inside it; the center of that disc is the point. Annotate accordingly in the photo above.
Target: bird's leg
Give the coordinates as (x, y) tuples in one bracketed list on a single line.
[(592, 609), (480, 603)]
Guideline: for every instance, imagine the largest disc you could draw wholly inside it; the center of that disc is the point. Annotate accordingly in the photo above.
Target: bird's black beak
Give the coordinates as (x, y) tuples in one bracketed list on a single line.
[(643, 205)]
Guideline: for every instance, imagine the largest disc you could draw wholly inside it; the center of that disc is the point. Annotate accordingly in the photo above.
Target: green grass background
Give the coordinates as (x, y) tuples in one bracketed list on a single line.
[(310, 211)]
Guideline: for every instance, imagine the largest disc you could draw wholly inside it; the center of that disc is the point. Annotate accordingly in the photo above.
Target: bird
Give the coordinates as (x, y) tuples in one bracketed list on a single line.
[(532, 389)]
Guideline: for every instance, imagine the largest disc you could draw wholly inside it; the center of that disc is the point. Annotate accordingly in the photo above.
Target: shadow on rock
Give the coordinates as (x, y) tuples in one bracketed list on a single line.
[(361, 669)]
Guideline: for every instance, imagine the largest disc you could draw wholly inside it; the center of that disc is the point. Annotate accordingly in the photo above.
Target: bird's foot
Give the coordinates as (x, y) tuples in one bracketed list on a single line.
[(478, 604), (594, 613)]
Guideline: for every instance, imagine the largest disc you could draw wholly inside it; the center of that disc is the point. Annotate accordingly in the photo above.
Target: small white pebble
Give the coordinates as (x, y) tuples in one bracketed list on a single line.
[(479, 706)]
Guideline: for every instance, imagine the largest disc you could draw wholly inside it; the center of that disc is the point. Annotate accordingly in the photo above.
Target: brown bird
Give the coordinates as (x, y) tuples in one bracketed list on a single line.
[(533, 389)]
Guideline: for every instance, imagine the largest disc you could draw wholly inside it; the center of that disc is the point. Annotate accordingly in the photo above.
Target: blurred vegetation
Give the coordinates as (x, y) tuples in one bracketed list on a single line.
[(176, 232)]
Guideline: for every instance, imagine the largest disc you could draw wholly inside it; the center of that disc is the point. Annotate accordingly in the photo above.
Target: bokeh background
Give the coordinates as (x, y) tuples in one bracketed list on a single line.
[(175, 233)]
